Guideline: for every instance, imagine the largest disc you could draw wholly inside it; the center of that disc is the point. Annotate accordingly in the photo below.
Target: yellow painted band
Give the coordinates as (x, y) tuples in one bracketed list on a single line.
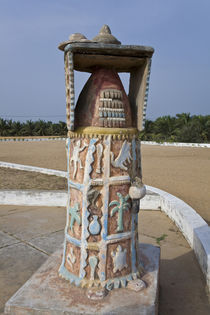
[(104, 131)]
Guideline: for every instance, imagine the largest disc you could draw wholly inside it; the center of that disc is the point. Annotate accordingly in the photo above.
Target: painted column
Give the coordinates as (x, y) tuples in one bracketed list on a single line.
[(104, 173)]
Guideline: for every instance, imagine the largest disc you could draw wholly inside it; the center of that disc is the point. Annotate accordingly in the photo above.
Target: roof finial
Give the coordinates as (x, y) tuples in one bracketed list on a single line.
[(105, 36)]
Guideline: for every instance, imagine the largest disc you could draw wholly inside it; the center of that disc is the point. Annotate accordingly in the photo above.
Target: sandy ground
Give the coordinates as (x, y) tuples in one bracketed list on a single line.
[(183, 172), (16, 179)]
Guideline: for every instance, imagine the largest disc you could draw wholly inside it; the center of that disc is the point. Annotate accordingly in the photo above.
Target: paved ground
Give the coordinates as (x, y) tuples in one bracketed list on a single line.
[(28, 235)]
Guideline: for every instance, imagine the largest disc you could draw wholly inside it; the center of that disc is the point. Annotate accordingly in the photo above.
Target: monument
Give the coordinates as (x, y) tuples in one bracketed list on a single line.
[(104, 162), (101, 269)]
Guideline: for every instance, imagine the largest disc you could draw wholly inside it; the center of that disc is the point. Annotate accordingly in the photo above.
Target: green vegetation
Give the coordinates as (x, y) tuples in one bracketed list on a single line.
[(161, 238), (10, 128), (181, 128)]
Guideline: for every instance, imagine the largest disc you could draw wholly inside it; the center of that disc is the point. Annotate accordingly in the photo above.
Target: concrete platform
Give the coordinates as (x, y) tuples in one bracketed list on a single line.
[(46, 293)]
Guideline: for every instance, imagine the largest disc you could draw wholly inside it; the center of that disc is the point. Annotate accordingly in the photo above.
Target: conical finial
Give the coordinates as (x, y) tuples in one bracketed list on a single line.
[(105, 36), (105, 29)]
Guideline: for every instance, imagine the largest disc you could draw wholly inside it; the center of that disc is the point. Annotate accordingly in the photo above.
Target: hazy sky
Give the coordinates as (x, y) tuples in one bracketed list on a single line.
[(32, 69)]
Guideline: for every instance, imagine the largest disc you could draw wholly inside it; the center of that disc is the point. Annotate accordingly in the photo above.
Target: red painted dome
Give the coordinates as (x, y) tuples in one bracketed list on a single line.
[(103, 102)]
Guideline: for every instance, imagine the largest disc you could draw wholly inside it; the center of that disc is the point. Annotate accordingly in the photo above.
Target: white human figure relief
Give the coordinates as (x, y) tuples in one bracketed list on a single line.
[(75, 156), (119, 258), (99, 149), (71, 258), (123, 156)]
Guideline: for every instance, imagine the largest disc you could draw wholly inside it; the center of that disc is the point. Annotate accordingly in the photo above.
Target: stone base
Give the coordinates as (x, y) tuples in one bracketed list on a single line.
[(47, 294)]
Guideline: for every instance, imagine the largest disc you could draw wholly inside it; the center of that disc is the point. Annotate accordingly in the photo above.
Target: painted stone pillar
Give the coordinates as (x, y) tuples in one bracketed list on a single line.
[(104, 161)]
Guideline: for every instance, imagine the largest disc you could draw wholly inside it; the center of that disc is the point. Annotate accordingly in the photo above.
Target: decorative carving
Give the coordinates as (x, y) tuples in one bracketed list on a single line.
[(111, 110), (99, 149), (119, 258), (121, 206), (71, 258), (94, 226), (93, 261), (86, 203), (114, 133), (92, 196), (123, 156), (75, 157), (75, 216)]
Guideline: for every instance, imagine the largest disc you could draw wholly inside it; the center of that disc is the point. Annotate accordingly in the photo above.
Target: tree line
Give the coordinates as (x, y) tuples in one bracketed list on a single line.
[(180, 128), (10, 128)]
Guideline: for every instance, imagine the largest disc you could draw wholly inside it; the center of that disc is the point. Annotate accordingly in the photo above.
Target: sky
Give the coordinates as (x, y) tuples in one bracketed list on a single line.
[(32, 82)]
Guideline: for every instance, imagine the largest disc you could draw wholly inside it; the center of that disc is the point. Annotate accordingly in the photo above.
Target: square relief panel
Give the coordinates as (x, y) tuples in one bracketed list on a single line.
[(118, 262), (72, 261), (121, 157), (78, 151), (98, 164), (119, 213)]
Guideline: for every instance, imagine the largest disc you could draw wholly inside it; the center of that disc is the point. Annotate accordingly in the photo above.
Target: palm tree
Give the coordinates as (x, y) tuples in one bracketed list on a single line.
[(41, 128), (15, 128), (75, 216), (121, 206), (28, 128), (164, 127), (63, 128), (3, 127)]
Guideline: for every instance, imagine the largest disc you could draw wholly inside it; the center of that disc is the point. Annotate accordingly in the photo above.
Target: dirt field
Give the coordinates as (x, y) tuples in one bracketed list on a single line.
[(183, 172)]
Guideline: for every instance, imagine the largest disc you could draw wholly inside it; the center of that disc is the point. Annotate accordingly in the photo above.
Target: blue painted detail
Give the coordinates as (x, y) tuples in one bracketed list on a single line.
[(102, 276), (105, 114), (116, 283), (134, 276), (123, 283), (94, 226), (129, 277), (109, 114), (104, 234), (67, 47), (110, 285), (74, 212), (118, 236), (119, 282), (75, 185), (72, 240), (69, 276)]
